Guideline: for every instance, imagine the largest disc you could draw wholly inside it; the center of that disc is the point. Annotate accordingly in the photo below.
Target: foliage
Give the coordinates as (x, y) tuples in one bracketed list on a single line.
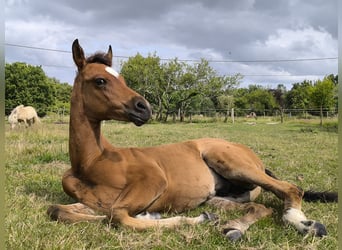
[(143, 75), (279, 95), (62, 94), (255, 98), (260, 99), (322, 95), (299, 96), (176, 87), (28, 85)]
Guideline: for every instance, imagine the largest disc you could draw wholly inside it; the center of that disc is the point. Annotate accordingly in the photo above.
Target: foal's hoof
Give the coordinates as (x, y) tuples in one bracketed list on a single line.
[(319, 229), (314, 227), (232, 234), (53, 212), (209, 216)]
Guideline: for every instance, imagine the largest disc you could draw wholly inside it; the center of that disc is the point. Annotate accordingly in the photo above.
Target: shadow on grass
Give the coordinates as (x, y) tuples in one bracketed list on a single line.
[(50, 190)]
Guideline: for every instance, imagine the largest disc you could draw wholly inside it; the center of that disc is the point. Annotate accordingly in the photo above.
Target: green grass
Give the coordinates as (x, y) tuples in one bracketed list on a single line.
[(298, 151)]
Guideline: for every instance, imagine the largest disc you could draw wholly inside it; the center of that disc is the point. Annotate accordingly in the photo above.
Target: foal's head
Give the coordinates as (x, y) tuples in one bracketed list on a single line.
[(103, 92)]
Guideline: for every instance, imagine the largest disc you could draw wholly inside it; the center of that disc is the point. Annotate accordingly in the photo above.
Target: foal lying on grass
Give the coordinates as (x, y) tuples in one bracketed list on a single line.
[(125, 183)]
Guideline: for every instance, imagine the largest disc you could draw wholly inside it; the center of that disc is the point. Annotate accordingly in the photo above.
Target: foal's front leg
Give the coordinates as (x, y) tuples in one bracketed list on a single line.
[(138, 196), (72, 213)]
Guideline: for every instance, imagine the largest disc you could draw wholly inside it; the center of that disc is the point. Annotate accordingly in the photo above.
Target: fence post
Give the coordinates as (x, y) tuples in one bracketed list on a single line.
[(232, 115)]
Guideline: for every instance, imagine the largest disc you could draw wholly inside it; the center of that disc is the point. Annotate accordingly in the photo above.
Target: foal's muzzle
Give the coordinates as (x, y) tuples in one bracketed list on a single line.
[(141, 111)]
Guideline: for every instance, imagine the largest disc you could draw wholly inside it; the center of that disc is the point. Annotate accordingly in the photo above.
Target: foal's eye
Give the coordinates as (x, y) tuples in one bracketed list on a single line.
[(100, 82)]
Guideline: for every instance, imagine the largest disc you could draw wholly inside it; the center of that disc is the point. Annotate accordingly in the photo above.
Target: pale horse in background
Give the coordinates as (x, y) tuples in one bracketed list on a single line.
[(27, 115)]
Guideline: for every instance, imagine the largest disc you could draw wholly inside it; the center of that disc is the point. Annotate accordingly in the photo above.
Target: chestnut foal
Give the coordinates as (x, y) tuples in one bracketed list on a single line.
[(131, 185)]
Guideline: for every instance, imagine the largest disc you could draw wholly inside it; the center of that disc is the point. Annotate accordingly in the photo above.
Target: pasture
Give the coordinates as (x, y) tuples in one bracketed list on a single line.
[(297, 151)]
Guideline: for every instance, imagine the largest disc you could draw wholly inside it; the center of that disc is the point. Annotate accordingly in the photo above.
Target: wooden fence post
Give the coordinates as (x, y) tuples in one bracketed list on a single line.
[(232, 114)]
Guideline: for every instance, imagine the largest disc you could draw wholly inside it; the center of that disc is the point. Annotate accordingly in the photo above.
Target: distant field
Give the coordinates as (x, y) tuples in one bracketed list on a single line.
[(297, 151)]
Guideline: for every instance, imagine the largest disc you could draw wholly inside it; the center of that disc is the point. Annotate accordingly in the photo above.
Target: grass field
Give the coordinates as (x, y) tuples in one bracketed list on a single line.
[(298, 151)]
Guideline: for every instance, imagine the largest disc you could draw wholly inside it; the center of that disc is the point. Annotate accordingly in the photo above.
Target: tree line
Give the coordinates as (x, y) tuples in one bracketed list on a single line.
[(28, 85), (174, 88)]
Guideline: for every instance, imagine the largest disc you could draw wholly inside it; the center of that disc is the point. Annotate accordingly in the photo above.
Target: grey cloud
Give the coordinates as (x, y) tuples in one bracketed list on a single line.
[(228, 30)]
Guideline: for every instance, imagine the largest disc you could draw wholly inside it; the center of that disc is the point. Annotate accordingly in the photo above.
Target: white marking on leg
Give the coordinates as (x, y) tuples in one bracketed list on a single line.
[(148, 216), (296, 218), (112, 72)]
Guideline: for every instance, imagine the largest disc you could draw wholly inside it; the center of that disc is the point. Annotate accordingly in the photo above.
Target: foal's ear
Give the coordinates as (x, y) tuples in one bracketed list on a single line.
[(78, 55), (109, 55)]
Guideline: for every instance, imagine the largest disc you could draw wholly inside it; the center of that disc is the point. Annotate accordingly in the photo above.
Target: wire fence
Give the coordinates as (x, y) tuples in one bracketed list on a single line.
[(248, 114), (61, 115)]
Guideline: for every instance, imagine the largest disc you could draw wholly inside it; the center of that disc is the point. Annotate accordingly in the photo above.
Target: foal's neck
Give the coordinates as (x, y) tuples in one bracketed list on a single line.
[(84, 135)]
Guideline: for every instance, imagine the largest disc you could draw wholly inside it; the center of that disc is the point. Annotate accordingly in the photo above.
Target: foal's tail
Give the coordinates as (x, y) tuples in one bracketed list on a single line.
[(311, 196), (320, 196)]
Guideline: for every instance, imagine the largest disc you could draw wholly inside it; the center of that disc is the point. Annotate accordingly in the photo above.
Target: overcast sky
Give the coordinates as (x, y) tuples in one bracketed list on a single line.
[(251, 37)]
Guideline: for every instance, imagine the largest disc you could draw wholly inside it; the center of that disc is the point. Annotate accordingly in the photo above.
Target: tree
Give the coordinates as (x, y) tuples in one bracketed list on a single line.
[(27, 85), (322, 95), (226, 102), (172, 75), (174, 87), (145, 75), (187, 88), (279, 95), (201, 86), (333, 78), (299, 96), (240, 98), (218, 86), (62, 94), (259, 99)]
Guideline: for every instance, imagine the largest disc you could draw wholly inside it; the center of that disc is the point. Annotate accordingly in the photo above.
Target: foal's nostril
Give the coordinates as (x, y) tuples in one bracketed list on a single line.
[(140, 106), (141, 111)]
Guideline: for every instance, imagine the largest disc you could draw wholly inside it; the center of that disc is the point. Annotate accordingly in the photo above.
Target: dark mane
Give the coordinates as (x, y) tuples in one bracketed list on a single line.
[(100, 57)]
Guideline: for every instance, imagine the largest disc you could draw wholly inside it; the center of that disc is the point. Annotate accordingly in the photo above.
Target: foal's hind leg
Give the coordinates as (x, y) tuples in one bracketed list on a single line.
[(238, 163), (234, 229)]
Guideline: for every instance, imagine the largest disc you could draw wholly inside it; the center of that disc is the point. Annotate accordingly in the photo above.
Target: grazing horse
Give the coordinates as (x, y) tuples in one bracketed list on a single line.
[(130, 186), (252, 115), (27, 115)]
